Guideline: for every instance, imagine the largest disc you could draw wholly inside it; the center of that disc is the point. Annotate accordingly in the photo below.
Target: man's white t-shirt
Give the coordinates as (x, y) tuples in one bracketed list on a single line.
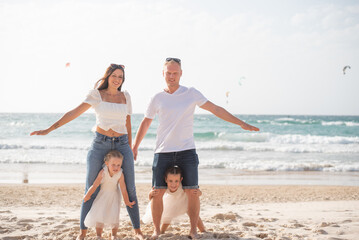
[(175, 115)]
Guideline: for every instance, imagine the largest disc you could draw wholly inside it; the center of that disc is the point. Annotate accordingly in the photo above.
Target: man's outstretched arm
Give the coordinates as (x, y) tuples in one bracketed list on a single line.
[(226, 116)]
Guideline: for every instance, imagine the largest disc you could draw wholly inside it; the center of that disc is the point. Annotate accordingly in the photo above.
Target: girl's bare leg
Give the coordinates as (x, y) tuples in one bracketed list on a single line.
[(164, 228), (99, 231), (200, 225), (114, 232)]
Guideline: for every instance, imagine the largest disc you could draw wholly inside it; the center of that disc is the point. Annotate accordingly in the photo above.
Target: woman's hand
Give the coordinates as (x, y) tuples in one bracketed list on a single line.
[(40, 132), (86, 198), (130, 204), (248, 127)]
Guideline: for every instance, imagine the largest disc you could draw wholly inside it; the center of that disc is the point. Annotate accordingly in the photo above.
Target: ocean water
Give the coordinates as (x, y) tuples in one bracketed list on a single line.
[(287, 150)]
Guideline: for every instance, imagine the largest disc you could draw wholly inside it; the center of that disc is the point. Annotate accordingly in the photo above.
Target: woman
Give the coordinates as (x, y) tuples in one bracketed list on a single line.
[(113, 131)]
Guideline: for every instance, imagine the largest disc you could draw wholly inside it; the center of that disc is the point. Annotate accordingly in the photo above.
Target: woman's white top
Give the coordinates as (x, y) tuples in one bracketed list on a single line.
[(110, 115)]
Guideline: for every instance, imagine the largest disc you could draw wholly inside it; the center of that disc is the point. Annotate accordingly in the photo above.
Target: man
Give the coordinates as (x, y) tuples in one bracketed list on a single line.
[(175, 107)]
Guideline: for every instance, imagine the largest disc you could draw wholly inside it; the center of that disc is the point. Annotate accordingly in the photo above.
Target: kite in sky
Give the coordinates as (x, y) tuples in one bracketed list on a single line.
[(345, 68), (227, 95), (240, 80)]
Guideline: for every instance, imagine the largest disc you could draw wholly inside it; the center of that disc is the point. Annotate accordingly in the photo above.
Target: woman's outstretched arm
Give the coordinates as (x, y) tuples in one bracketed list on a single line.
[(67, 117)]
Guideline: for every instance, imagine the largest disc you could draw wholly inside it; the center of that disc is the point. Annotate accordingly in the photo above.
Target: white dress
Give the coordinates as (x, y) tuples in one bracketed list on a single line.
[(105, 210), (174, 205)]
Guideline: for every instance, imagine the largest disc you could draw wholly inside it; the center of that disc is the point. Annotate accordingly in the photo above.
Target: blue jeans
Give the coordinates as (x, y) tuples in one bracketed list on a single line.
[(101, 145), (187, 160)]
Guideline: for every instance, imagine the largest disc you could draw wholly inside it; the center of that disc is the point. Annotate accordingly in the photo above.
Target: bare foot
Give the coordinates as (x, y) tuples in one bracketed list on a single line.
[(193, 236), (139, 234), (154, 236)]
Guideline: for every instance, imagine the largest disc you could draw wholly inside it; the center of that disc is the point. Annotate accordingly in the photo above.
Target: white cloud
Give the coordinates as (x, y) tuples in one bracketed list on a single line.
[(327, 18)]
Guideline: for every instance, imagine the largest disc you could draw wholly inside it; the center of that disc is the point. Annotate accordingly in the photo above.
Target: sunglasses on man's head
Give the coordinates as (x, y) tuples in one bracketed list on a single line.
[(177, 60), (115, 66)]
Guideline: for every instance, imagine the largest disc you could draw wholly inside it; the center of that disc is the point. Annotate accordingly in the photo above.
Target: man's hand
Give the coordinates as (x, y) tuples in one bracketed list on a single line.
[(248, 127), (154, 192), (135, 152)]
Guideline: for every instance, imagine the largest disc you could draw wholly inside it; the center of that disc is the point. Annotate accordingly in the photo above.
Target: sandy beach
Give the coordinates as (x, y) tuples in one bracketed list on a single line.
[(31, 211)]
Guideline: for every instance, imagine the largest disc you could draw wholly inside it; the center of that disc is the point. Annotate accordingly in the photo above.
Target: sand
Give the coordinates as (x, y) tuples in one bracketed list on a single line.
[(30, 211)]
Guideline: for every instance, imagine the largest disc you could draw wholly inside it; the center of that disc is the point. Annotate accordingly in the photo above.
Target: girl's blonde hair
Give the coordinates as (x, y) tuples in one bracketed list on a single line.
[(113, 153)]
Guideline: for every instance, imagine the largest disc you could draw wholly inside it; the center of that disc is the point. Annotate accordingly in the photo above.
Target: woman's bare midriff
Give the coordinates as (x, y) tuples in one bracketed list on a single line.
[(109, 133)]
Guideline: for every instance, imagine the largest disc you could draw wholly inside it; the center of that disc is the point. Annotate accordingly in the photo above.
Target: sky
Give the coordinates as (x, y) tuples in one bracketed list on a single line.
[(250, 57)]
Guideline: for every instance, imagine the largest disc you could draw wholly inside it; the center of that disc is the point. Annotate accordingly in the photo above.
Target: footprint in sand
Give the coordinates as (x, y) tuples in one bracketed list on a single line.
[(297, 225), (7, 211), (227, 216), (321, 231), (262, 235), (168, 235), (268, 219), (9, 219), (24, 221), (60, 226), (27, 227), (14, 238), (4, 230), (325, 224), (221, 235), (70, 221), (250, 224)]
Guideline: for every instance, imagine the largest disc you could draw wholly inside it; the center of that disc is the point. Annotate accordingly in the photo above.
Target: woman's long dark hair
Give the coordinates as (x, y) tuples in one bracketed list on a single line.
[(103, 82)]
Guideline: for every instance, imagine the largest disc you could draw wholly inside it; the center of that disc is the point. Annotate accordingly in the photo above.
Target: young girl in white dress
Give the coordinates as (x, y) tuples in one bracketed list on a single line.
[(175, 200), (105, 210)]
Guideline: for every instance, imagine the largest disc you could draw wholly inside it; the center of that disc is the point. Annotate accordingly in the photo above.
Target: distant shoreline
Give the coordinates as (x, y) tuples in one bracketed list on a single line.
[(40, 173), (241, 114)]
